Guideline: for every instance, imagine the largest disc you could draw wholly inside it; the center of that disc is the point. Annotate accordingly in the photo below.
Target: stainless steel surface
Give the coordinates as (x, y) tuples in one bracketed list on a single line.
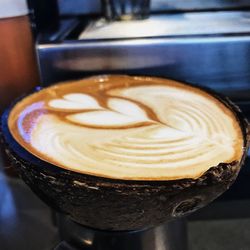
[(65, 27), (183, 24), (220, 62)]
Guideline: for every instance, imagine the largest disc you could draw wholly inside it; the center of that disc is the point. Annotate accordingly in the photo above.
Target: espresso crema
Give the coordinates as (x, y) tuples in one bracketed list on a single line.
[(133, 128)]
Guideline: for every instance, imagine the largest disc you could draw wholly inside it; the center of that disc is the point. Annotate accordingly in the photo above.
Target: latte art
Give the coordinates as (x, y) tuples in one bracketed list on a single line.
[(124, 127)]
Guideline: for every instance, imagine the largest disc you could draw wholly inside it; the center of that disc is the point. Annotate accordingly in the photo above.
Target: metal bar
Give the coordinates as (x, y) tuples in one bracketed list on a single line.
[(221, 63)]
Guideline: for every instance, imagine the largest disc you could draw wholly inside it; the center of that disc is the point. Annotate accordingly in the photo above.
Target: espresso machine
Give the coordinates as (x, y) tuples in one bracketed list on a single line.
[(206, 43)]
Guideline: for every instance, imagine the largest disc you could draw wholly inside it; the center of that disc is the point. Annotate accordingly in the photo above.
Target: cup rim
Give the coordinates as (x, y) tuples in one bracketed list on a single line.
[(19, 151)]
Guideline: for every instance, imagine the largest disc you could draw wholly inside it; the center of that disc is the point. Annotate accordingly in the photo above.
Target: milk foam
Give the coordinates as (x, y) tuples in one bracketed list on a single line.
[(129, 128)]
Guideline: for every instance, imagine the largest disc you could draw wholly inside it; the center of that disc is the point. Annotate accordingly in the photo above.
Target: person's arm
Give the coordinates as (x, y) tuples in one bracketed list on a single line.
[(18, 66)]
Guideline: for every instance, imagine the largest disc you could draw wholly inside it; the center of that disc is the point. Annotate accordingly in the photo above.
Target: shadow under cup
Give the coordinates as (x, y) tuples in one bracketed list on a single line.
[(112, 204)]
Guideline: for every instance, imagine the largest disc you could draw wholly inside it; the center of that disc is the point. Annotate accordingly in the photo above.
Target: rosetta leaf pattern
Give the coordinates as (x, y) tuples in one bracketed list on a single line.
[(117, 111)]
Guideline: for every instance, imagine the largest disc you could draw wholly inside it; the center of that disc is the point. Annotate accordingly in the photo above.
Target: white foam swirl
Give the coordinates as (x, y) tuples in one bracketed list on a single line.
[(138, 132)]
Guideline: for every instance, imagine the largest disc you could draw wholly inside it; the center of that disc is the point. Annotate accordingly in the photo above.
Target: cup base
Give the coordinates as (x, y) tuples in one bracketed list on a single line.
[(170, 236)]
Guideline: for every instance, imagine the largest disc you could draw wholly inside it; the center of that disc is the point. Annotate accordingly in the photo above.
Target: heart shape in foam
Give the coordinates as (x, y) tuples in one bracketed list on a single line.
[(173, 132), (118, 112), (75, 101)]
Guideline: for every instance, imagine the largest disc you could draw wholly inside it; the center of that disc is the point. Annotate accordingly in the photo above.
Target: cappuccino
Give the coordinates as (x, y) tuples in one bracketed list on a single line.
[(130, 128)]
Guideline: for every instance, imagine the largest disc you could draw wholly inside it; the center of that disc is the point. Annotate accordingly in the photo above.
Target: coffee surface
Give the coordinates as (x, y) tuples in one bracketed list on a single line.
[(122, 127)]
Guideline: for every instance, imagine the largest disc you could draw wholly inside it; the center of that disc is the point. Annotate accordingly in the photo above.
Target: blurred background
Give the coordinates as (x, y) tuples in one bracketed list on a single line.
[(203, 42)]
